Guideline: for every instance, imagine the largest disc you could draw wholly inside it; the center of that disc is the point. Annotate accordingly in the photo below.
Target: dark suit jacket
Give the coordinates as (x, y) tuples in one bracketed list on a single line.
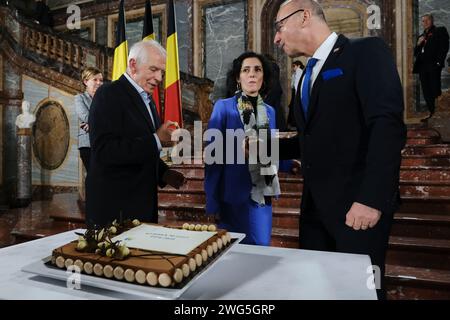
[(125, 164), (350, 145), (273, 97), (435, 50)]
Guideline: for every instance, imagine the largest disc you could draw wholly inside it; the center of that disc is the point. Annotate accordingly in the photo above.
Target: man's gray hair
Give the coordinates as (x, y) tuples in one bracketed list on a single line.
[(139, 50), (313, 5), (429, 15)]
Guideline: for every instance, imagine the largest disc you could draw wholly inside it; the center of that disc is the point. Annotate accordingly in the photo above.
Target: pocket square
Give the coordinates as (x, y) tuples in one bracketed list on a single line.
[(333, 73)]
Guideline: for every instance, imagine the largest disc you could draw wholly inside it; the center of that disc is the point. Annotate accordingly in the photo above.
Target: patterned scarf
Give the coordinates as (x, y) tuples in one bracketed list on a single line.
[(254, 121)]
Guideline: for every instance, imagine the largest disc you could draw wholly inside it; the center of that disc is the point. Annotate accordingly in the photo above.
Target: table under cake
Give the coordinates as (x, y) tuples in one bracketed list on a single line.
[(245, 272)]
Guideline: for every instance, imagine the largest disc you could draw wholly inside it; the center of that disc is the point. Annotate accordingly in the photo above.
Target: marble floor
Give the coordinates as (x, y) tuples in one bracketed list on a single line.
[(35, 216)]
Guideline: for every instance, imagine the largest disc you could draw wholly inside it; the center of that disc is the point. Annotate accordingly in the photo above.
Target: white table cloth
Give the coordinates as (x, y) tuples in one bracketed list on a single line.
[(245, 272)]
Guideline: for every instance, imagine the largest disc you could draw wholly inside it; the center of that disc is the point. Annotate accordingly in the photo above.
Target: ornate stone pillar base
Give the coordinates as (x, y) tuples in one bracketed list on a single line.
[(24, 190), (10, 113), (12, 97)]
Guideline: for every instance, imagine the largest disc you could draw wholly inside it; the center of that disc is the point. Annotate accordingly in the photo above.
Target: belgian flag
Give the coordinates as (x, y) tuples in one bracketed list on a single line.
[(172, 97), (149, 34), (121, 48)]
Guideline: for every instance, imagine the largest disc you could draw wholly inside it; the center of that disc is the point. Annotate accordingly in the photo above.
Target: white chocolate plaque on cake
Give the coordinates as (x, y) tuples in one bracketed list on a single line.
[(169, 240)]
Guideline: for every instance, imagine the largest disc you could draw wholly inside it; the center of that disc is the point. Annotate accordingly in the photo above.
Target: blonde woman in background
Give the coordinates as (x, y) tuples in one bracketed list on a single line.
[(92, 79)]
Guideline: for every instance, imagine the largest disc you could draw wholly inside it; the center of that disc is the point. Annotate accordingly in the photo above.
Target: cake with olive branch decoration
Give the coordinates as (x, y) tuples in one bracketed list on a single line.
[(145, 254)]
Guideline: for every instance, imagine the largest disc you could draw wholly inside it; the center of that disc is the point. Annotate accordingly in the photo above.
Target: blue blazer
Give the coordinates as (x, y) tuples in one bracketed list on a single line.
[(230, 183)]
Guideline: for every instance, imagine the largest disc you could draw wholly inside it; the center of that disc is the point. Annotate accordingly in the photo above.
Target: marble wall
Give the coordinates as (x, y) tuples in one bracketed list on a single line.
[(101, 31), (224, 34), (183, 12), (37, 93), (134, 29), (440, 10)]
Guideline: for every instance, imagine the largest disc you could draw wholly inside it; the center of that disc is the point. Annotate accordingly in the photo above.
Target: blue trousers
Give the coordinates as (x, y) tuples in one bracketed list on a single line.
[(249, 218)]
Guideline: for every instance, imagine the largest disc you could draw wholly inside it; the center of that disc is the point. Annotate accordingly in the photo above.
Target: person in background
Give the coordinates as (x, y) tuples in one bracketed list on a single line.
[(92, 79), (430, 52)]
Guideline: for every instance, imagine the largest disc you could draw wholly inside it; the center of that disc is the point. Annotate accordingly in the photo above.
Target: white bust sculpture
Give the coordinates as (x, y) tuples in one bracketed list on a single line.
[(25, 120)]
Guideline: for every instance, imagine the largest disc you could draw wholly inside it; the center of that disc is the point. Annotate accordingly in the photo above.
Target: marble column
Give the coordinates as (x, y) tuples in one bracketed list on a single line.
[(24, 190), (24, 122), (101, 30), (11, 109)]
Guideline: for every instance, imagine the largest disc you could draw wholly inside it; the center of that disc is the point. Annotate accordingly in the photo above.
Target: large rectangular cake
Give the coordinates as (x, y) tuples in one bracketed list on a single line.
[(145, 254)]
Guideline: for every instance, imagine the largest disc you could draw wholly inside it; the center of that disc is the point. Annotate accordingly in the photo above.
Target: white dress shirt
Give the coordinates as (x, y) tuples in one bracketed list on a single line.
[(296, 78), (146, 98), (321, 55)]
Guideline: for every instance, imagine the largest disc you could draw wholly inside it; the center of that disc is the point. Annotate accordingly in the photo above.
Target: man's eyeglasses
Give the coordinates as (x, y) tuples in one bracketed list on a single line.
[(278, 24)]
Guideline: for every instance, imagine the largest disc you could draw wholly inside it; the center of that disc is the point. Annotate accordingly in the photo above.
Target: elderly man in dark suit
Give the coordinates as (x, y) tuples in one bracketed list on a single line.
[(349, 114), (430, 52), (126, 139)]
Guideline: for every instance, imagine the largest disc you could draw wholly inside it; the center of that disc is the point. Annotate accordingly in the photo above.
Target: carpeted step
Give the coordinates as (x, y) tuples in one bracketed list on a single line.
[(436, 226), (410, 283), (432, 149)]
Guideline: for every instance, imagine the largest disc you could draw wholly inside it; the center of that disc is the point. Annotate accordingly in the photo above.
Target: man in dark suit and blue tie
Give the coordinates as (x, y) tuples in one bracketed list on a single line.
[(126, 139), (349, 114)]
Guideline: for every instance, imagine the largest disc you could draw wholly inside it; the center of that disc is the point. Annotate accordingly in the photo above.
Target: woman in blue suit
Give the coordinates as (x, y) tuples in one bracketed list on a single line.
[(237, 193)]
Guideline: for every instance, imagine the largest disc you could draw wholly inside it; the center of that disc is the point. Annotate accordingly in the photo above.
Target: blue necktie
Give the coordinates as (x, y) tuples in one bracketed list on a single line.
[(307, 85)]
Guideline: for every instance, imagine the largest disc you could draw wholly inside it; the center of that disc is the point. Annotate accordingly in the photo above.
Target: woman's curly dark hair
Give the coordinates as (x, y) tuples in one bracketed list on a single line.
[(235, 71)]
